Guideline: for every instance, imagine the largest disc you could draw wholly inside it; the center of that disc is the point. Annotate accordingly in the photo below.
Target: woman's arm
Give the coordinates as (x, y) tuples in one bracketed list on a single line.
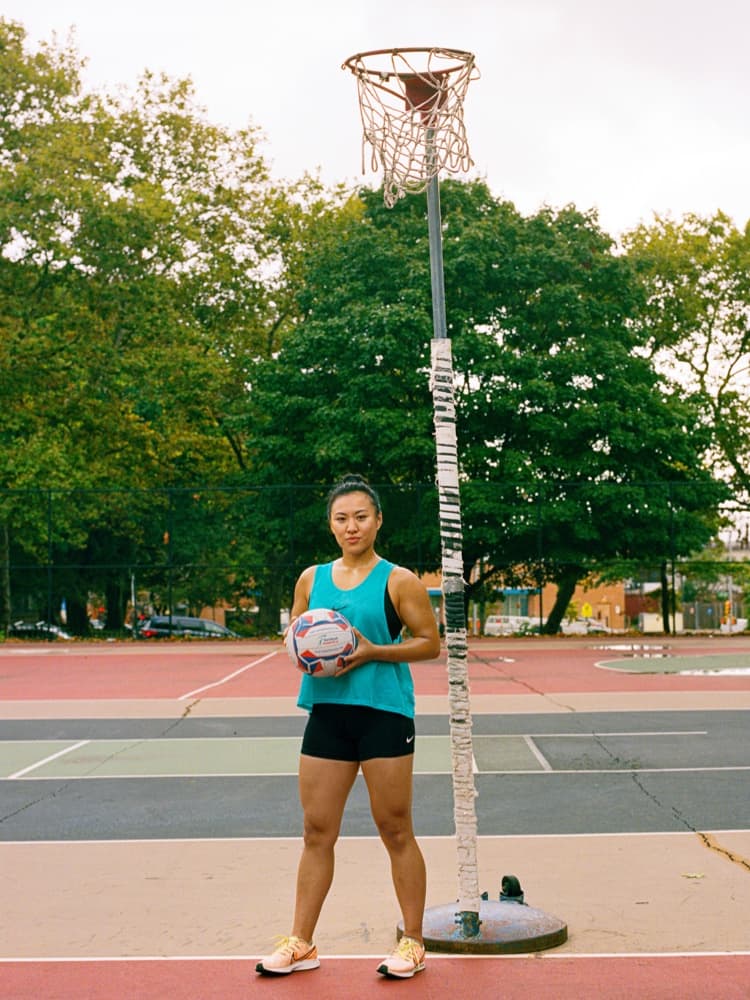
[(412, 604)]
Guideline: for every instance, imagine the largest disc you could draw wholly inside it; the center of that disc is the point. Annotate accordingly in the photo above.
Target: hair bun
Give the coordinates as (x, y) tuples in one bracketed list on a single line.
[(352, 482)]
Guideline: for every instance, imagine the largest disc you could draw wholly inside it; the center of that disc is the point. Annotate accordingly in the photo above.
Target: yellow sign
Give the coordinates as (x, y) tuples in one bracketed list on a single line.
[(587, 610)]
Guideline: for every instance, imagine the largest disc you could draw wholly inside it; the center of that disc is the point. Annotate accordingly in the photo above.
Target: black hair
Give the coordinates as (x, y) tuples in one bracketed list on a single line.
[(352, 483)]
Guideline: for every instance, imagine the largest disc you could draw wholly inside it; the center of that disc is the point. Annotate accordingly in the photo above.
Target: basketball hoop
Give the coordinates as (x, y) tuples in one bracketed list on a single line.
[(411, 103)]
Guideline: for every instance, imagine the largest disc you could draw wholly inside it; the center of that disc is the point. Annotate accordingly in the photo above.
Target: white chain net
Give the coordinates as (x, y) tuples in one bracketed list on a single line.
[(412, 116)]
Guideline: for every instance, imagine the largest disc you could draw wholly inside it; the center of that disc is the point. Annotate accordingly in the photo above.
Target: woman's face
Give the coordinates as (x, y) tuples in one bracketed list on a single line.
[(354, 522)]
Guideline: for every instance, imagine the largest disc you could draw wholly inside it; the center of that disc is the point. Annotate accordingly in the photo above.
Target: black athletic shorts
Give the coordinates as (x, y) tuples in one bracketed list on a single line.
[(357, 733)]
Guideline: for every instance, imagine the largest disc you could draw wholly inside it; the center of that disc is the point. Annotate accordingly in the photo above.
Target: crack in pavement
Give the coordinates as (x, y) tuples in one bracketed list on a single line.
[(492, 664), (106, 760), (707, 839), (713, 845)]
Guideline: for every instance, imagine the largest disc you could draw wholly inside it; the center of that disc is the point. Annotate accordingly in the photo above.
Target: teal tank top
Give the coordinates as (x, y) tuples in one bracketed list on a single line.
[(386, 686)]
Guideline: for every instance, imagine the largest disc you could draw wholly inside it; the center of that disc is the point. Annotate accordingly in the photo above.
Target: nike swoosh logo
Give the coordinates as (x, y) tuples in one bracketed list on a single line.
[(409, 739)]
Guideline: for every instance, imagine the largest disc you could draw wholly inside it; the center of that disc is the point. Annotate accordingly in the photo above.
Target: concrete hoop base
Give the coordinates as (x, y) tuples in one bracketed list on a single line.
[(505, 928)]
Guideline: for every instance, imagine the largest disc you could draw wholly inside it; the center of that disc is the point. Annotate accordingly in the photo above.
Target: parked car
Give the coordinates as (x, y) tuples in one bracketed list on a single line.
[(507, 625), (736, 625), (183, 626), (584, 626), (37, 630)]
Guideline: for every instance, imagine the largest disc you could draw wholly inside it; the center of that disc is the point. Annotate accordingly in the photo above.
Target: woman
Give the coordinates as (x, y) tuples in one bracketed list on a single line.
[(362, 717)]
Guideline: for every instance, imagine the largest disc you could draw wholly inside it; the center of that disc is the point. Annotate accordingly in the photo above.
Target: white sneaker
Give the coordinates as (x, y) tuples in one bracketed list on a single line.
[(406, 960), (292, 955)]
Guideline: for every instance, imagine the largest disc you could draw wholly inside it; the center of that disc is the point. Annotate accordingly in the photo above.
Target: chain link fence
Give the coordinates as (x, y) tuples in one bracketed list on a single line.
[(112, 557)]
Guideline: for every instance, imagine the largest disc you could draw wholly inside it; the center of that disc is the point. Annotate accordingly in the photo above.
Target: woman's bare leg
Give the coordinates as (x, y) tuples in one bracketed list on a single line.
[(324, 787), (389, 782)]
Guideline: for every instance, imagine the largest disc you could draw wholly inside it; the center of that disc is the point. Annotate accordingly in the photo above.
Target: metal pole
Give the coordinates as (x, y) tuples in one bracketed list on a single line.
[(50, 618), (730, 583), (437, 278), (170, 526), (468, 925), (540, 554), (673, 602), (134, 633), (451, 533)]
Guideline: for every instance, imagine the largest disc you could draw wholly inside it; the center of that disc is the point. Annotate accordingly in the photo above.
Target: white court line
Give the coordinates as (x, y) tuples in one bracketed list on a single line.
[(229, 677), (623, 770), (134, 741), (33, 652), (584, 736), (140, 776), (546, 766), (41, 763), (374, 838), (433, 956)]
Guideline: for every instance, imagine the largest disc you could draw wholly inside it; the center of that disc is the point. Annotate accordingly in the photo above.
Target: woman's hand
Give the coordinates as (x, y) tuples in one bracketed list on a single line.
[(285, 633), (364, 652)]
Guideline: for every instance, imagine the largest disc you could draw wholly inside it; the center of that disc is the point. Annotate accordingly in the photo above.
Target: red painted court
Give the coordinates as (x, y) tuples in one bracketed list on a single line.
[(650, 916), (247, 670), (604, 978)]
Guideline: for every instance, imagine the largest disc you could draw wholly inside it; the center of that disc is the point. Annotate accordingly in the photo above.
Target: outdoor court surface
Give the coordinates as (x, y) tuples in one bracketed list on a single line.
[(149, 825)]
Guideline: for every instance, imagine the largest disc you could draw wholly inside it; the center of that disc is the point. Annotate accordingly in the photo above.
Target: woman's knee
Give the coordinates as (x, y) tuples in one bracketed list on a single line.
[(395, 831), (319, 833)]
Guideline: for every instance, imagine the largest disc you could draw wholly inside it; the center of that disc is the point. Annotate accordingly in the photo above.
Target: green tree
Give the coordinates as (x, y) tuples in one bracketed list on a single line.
[(587, 454), (348, 389), (569, 439), (140, 279), (697, 276)]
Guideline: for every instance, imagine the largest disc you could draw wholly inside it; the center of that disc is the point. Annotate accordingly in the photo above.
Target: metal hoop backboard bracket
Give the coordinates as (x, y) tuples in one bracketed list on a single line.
[(411, 103)]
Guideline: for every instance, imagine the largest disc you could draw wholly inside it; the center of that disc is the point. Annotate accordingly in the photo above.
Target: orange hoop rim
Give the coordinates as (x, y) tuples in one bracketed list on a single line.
[(356, 65), (380, 77), (411, 105)]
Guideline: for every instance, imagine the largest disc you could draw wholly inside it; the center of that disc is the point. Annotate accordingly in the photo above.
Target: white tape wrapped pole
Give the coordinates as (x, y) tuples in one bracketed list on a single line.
[(451, 537), (412, 115)]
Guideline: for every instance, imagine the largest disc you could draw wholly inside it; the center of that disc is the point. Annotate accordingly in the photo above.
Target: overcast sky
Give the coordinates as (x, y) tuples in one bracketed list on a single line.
[(627, 106)]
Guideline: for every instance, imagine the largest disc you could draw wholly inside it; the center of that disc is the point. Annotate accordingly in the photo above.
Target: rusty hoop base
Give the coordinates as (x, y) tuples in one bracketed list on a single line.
[(506, 928)]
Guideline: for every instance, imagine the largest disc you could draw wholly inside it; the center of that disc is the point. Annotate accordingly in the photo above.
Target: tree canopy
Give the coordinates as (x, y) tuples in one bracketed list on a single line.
[(140, 254), (190, 353), (696, 273), (565, 429)]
